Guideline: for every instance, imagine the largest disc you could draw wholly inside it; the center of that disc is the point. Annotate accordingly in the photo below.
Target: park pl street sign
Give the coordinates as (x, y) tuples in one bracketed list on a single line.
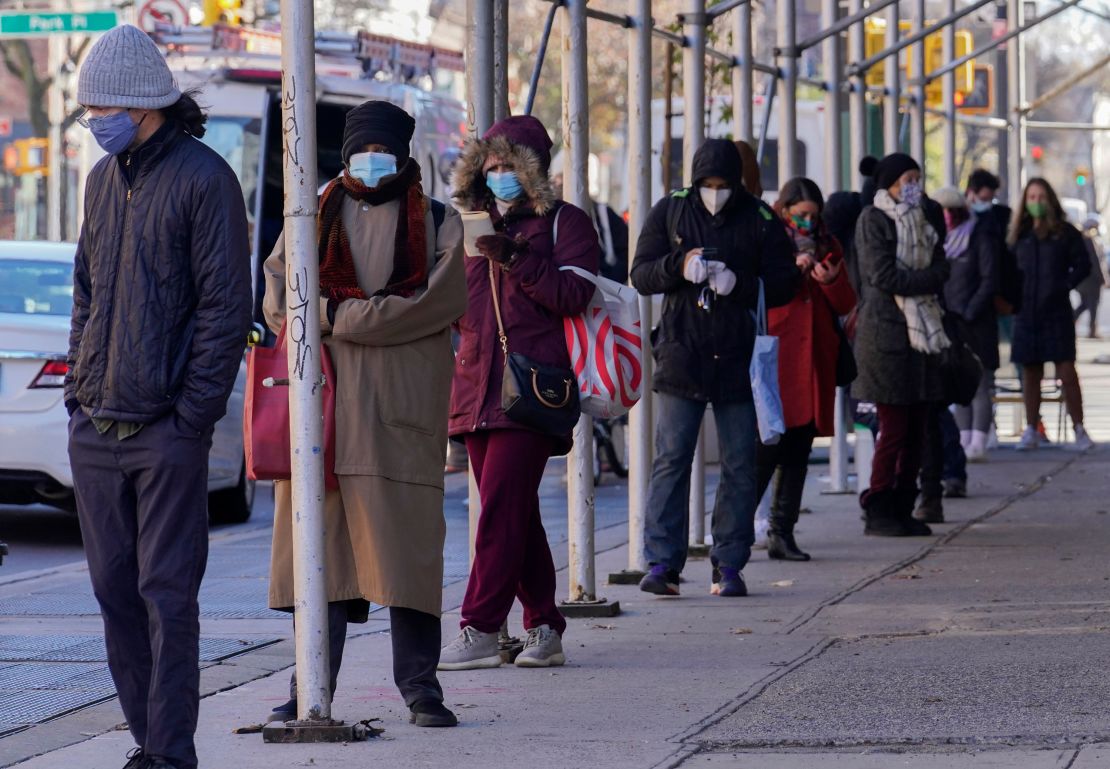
[(43, 24)]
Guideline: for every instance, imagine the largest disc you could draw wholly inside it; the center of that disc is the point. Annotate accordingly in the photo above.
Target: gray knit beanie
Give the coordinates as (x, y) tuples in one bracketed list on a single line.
[(126, 69)]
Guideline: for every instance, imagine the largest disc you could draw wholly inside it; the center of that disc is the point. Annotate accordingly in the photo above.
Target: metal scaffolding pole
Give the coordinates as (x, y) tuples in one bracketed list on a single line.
[(582, 600), (831, 64), (479, 66), (306, 420), (1014, 66), (743, 112), (693, 135), (500, 59), (917, 104), (788, 104), (892, 85), (640, 420), (949, 91), (857, 99)]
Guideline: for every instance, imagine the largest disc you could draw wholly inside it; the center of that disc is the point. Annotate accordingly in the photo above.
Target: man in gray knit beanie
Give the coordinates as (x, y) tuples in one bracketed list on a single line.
[(161, 309)]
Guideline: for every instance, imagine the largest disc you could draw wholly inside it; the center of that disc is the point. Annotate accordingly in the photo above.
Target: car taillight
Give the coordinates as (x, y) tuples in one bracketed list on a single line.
[(53, 374)]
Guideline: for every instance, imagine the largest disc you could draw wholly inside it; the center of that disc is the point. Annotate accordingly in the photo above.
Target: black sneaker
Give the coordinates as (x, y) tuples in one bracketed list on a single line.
[(432, 713), (136, 759), (286, 712), (157, 762), (660, 580)]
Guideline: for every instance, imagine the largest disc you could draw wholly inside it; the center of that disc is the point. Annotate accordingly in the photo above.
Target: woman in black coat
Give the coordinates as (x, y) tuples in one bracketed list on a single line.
[(972, 247), (1053, 261), (899, 337)]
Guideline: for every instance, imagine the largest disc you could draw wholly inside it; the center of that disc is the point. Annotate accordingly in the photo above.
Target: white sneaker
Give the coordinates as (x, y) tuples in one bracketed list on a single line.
[(1030, 439), (542, 649), (1083, 441), (472, 650)]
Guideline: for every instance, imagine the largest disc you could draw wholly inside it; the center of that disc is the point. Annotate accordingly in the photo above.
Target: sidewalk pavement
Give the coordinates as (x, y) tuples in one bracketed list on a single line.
[(983, 646)]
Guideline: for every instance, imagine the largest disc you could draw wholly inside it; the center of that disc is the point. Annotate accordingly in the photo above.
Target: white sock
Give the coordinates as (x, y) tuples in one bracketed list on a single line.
[(965, 439)]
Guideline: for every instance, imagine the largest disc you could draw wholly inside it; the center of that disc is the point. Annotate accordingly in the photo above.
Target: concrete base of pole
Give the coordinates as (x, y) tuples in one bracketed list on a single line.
[(587, 609), (289, 732), (697, 550), (626, 577)]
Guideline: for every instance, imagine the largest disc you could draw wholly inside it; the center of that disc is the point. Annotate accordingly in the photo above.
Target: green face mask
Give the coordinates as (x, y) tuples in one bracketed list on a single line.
[(1036, 210)]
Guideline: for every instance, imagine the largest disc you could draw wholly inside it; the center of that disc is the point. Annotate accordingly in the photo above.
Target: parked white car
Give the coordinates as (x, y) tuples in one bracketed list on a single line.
[(36, 295)]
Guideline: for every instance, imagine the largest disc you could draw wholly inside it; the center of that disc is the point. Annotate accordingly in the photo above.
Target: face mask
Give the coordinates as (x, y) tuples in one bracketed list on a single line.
[(371, 167), (714, 200), (911, 193), (114, 133), (805, 225), (981, 206), (504, 185), (1036, 210)]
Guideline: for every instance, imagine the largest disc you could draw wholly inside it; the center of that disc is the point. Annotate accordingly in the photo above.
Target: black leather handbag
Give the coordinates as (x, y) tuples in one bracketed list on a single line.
[(536, 395)]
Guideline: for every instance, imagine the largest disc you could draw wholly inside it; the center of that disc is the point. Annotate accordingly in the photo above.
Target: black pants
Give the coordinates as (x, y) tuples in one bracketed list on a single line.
[(416, 637), (143, 507), (942, 455), (788, 462)]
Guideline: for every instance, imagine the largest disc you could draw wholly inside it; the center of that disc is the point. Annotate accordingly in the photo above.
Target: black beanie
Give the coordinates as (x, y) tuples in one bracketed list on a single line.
[(892, 167), (378, 122)]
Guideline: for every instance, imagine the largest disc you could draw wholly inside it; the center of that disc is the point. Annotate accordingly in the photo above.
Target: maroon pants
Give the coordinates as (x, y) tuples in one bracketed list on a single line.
[(898, 451), (511, 554)]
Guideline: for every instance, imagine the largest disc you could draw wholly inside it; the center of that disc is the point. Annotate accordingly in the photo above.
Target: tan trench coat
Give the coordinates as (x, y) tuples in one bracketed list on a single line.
[(393, 367)]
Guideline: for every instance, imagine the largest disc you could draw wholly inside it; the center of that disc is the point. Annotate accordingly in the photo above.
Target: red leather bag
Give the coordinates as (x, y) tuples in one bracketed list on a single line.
[(266, 415)]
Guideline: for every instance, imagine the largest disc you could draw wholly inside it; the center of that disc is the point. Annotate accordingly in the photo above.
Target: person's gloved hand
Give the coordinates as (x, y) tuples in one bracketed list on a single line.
[(721, 279), (694, 268), (500, 248)]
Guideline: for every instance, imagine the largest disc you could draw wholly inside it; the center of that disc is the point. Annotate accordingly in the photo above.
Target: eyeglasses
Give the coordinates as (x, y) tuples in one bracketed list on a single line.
[(85, 120)]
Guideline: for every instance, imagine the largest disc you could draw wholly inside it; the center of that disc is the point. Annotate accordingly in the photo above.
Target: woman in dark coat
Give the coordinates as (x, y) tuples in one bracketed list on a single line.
[(809, 342), (972, 245), (899, 335), (505, 174), (1053, 261)]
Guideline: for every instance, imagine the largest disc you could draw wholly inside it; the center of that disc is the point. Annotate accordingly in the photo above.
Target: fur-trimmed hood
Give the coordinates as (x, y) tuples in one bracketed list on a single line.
[(469, 181)]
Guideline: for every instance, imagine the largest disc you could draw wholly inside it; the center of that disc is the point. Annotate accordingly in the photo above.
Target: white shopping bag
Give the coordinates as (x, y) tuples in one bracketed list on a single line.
[(764, 372)]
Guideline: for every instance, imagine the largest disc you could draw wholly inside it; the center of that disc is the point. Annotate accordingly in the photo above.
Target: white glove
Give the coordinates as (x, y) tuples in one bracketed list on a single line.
[(722, 280), (695, 270)]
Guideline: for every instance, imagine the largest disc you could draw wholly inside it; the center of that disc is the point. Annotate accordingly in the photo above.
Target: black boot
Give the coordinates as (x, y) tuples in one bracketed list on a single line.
[(881, 514), (931, 510), (782, 547), (906, 499)]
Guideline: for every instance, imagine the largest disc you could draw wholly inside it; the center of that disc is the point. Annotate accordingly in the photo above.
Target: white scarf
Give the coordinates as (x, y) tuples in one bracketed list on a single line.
[(916, 241)]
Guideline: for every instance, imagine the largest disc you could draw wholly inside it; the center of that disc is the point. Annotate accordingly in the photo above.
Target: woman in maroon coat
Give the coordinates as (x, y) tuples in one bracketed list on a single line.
[(808, 346), (505, 173)]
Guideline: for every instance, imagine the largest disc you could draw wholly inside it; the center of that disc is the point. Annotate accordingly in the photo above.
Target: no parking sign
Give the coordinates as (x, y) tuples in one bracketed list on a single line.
[(165, 12)]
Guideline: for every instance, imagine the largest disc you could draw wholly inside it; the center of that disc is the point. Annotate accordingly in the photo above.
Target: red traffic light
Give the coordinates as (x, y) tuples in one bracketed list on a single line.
[(1037, 151)]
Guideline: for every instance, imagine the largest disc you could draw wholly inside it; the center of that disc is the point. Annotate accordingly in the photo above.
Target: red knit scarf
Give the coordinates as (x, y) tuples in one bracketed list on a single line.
[(338, 279)]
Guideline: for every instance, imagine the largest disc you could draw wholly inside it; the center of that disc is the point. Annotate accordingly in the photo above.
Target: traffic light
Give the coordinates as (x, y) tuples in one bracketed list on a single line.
[(1037, 152), (1081, 176), (222, 11), (27, 156)]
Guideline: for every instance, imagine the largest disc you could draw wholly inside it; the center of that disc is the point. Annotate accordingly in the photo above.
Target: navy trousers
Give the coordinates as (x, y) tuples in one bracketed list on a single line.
[(143, 507)]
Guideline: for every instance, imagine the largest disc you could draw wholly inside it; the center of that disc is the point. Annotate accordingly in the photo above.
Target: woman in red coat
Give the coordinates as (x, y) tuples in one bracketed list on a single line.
[(808, 345)]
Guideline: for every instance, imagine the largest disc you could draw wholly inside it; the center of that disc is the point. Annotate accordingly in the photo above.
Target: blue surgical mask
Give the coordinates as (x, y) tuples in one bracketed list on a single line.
[(504, 185), (371, 167), (911, 193), (114, 133), (981, 206)]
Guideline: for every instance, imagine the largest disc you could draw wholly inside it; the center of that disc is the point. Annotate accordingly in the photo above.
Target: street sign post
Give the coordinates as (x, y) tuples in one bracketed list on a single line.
[(44, 24)]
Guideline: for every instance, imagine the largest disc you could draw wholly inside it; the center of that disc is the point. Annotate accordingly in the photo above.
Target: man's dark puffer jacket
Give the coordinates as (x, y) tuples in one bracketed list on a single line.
[(699, 355), (161, 299)]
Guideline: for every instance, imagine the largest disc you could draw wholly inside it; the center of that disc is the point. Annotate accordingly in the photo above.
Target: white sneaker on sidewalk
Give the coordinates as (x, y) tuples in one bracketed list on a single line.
[(1030, 439), (471, 650), (542, 649), (1083, 441)]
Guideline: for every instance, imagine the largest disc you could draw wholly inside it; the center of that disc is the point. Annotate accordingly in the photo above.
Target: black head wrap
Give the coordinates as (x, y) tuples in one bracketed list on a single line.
[(378, 122)]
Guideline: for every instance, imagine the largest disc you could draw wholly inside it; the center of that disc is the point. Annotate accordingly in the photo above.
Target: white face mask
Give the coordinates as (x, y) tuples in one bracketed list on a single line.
[(714, 200)]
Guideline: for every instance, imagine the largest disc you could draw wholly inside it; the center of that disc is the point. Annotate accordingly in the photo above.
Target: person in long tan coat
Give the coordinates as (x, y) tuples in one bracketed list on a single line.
[(392, 283)]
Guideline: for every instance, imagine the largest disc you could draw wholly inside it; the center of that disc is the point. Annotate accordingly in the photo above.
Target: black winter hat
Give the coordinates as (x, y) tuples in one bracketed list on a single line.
[(719, 157), (892, 167), (378, 122)]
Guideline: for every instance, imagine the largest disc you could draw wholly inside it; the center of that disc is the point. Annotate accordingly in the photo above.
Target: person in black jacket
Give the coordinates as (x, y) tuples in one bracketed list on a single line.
[(899, 338), (971, 247), (706, 248), (1053, 261), (161, 310)]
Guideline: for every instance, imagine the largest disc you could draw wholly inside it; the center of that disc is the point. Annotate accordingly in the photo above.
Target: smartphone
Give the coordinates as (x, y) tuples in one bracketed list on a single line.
[(709, 252)]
